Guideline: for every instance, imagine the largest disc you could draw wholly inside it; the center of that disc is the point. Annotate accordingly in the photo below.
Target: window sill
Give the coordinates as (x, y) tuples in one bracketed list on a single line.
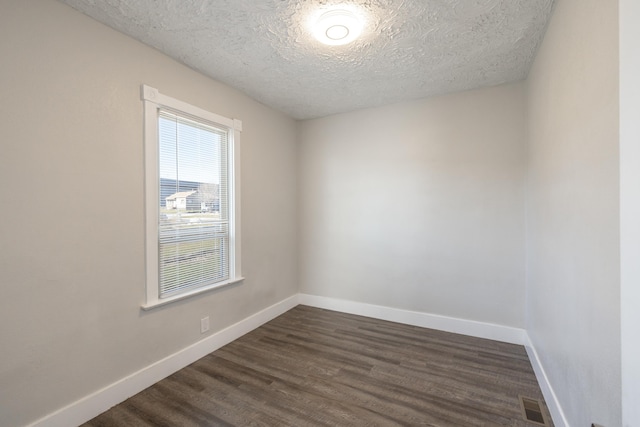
[(168, 300)]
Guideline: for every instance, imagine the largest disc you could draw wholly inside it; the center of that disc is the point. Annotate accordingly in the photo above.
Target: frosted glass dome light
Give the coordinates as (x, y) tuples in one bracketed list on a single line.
[(337, 27)]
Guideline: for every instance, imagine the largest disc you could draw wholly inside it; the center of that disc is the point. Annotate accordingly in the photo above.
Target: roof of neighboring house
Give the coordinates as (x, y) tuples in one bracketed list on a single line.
[(181, 194)]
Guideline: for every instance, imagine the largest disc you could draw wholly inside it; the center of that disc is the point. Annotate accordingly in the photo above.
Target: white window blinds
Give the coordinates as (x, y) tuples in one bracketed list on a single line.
[(193, 204)]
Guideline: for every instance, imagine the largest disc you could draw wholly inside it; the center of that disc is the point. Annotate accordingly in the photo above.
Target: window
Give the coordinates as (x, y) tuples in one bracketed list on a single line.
[(191, 201)]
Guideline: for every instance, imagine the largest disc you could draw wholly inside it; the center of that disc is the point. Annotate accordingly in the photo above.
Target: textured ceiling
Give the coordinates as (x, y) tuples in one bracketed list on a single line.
[(409, 48)]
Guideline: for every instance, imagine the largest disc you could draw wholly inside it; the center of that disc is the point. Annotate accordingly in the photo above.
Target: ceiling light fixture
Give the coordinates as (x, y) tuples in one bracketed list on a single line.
[(337, 27)]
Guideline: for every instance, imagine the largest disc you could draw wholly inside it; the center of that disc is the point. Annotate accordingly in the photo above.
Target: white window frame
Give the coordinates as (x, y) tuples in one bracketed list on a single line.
[(153, 102)]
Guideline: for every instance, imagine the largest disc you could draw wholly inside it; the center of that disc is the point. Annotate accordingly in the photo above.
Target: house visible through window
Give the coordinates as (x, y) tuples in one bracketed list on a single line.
[(191, 201)]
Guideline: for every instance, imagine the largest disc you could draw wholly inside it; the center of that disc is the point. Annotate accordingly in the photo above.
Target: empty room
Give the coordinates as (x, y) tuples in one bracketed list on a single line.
[(322, 212)]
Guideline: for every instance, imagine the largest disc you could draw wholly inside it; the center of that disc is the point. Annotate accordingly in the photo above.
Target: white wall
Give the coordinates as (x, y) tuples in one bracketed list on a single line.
[(418, 206), (630, 209), (573, 269), (72, 263)]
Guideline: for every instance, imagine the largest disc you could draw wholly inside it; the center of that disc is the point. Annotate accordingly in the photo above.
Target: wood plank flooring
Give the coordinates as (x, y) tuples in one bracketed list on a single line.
[(314, 367)]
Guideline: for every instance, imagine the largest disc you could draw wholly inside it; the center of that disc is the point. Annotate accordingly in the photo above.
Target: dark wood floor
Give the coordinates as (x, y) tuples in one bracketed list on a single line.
[(312, 367)]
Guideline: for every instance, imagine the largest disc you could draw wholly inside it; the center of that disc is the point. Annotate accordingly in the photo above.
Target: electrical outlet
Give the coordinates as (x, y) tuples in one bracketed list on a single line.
[(204, 324)]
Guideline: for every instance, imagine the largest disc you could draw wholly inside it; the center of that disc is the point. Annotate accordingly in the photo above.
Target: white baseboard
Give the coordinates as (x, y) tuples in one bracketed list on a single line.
[(90, 406), (557, 414), (449, 324)]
